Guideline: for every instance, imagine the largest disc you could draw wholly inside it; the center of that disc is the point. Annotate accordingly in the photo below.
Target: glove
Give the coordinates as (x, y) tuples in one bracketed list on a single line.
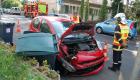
[(124, 45)]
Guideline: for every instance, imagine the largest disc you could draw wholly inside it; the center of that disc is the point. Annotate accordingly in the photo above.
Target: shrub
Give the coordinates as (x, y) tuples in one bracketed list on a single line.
[(13, 67)]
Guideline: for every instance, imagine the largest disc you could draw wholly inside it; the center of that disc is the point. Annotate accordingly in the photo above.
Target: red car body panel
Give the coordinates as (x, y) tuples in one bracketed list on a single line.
[(84, 56), (83, 59), (84, 62), (94, 71)]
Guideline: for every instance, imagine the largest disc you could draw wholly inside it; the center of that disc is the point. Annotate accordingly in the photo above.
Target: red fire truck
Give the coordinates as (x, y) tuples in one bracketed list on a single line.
[(33, 9)]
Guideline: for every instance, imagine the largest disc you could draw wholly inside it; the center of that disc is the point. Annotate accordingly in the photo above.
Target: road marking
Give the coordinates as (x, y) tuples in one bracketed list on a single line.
[(134, 52)]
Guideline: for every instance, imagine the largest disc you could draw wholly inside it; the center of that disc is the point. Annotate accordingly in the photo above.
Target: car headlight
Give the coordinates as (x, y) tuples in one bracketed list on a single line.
[(99, 45)]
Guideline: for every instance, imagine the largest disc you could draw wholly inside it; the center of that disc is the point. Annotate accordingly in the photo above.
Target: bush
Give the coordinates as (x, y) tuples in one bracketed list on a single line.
[(13, 67)]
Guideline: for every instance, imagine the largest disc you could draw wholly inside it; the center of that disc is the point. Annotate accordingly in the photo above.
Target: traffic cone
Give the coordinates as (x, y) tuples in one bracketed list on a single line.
[(18, 28)]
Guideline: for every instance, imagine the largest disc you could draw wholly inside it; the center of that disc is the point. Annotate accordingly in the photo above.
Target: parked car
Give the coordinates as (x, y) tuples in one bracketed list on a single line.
[(7, 11), (15, 10), (79, 52), (108, 26)]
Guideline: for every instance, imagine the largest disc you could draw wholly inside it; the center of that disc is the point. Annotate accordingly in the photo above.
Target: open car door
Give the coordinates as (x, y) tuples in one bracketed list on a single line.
[(32, 44)]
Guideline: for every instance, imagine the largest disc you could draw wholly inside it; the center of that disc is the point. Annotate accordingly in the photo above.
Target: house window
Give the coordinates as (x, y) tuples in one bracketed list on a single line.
[(90, 11), (74, 9), (66, 8), (70, 10)]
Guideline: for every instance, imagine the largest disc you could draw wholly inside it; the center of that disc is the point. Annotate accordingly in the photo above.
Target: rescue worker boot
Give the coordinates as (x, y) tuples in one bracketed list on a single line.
[(119, 66), (113, 68)]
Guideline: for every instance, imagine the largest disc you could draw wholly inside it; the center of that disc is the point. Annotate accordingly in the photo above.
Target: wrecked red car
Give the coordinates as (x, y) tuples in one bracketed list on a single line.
[(79, 52)]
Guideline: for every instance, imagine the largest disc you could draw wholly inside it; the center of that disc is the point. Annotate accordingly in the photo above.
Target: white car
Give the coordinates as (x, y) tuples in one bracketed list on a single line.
[(59, 15), (15, 10)]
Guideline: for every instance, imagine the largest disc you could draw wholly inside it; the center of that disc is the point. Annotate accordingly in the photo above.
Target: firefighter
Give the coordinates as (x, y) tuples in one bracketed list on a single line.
[(75, 18), (119, 43)]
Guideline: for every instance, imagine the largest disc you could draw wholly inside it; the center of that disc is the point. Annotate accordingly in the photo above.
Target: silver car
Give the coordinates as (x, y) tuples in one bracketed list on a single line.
[(15, 10)]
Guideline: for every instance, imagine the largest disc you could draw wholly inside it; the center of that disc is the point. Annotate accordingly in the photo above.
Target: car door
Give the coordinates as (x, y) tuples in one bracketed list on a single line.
[(109, 26), (46, 28)]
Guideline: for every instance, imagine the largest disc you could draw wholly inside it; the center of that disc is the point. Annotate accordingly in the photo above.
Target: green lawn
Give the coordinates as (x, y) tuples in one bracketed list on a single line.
[(13, 67)]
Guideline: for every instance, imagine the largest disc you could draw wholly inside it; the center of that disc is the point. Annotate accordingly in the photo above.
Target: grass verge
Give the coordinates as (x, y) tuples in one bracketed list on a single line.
[(13, 67)]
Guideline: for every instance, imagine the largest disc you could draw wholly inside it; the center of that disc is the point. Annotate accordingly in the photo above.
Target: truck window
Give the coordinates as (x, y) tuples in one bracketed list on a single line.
[(44, 26)]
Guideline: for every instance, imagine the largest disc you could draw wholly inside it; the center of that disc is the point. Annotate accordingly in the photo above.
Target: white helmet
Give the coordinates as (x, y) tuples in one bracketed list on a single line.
[(123, 21)]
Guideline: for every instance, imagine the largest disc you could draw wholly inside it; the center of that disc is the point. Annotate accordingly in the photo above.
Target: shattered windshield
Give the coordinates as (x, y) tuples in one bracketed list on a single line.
[(61, 27)]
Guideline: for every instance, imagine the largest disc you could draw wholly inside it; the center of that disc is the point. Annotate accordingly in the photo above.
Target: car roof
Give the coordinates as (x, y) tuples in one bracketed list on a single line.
[(53, 18)]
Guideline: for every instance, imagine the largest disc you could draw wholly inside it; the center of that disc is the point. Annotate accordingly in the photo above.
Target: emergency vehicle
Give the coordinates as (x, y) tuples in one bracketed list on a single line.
[(33, 9)]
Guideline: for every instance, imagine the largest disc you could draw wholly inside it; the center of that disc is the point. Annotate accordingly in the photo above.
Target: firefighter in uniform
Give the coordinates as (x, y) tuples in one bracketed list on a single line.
[(119, 43), (75, 18)]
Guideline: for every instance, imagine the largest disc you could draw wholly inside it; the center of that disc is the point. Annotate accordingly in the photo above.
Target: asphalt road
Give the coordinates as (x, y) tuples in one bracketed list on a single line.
[(128, 60)]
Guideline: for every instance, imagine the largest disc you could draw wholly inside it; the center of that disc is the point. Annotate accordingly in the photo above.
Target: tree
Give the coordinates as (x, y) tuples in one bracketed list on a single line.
[(11, 3), (87, 10), (82, 9), (104, 10), (136, 8), (117, 7)]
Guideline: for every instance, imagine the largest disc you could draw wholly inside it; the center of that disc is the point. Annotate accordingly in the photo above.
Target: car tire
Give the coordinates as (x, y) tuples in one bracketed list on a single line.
[(99, 30), (60, 68)]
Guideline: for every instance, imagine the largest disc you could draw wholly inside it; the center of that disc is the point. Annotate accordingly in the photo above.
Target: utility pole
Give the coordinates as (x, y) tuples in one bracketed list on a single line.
[(0, 7), (118, 7)]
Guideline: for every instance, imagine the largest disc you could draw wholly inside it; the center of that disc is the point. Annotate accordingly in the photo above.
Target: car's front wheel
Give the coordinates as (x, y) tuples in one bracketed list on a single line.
[(99, 30), (60, 68)]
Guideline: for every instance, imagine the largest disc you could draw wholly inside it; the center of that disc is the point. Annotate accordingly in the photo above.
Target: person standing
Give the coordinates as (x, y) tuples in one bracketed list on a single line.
[(119, 43), (75, 18)]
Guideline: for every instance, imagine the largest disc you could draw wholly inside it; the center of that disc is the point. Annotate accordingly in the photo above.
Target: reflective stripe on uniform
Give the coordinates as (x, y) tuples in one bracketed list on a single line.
[(115, 63), (117, 32), (124, 35), (120, 39), (119, 61), (117, 49)]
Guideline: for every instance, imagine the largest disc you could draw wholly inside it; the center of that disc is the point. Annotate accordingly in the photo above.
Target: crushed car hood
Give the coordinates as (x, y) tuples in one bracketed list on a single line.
[(79, 28)]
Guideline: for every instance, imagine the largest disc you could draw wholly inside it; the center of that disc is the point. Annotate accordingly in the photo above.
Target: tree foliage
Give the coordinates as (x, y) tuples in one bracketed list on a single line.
[(117, 6), (104, 10), (136, 8), (11, 3), (82, 9), (87, 10)]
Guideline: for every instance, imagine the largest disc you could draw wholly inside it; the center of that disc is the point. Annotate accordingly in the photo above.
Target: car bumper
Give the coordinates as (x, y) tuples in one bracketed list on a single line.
[(90, 68)]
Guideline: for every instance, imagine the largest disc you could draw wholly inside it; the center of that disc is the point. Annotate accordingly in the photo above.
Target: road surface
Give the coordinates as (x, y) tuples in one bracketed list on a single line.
[(128, 60)]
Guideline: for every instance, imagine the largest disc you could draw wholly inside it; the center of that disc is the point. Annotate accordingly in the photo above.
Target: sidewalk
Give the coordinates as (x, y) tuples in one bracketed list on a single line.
[(136, 69)]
